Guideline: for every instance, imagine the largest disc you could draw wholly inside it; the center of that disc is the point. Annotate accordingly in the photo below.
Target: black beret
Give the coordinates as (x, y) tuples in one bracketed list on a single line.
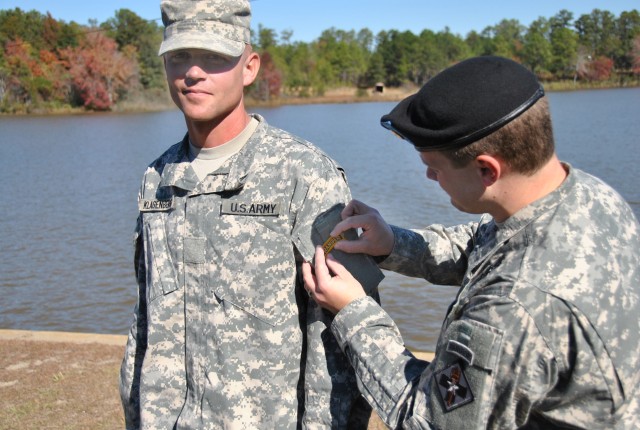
[(464, 103)]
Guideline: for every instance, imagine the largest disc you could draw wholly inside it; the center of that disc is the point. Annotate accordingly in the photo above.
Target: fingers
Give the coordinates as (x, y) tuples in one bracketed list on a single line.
[(346, 224), (350, 209), (355, 207), (330, 285), (338, 269), (377, 237), (317, 276), (307, 276), (356, 246), (322, 271), (372, 227), (356, 215)]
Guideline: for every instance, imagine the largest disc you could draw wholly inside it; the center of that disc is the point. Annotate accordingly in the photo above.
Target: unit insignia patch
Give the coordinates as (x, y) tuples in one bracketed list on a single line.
[(453, 387)]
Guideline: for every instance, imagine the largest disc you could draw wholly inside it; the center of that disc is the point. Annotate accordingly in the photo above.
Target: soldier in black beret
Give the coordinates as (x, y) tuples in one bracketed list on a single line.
[(544, 332), (466, 103)]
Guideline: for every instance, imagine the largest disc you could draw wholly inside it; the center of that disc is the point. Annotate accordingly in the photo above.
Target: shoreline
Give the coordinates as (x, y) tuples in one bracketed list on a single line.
[(333, 96), (98, 338), (63, 336)]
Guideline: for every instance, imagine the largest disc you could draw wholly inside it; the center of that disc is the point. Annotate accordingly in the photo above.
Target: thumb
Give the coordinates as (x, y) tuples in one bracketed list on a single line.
[(337, 268), (356, 246)]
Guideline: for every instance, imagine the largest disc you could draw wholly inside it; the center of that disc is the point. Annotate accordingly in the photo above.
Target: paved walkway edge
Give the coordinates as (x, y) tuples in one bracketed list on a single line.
[(105, 339), (62, 336)]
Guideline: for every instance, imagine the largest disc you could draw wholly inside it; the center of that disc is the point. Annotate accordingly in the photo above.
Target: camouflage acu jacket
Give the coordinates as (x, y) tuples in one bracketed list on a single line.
[(224, 334), (544, 332)]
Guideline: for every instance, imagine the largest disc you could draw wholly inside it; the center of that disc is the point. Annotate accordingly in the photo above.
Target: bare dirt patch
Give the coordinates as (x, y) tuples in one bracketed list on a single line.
[(53, 385), (67, 381)]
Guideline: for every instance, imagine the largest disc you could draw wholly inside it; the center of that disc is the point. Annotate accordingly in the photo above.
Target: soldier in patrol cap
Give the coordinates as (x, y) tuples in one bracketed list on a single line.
[(544, 332), (224, 334)]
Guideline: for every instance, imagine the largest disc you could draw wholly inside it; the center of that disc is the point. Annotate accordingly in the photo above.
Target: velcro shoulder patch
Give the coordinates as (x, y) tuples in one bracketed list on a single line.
[(461, 350)]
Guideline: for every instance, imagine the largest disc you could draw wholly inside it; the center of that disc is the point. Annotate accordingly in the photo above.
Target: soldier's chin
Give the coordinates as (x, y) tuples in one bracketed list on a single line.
[(457, 206), (462, 208)]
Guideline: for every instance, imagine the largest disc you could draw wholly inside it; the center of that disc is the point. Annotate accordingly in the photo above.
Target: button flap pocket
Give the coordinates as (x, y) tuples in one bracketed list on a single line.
[(160, 268), (256, 270)]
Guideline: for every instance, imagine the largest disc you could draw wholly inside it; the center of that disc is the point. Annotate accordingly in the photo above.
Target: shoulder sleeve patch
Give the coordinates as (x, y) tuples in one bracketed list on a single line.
[(453, 387)]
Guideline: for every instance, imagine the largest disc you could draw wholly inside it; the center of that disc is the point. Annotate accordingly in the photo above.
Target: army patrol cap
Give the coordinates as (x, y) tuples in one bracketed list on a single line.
[(464, 103), (222, 26)]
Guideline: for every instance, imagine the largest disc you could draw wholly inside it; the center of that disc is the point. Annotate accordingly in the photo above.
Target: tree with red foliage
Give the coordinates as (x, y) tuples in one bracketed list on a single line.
[(269, 82), (598, 69), (24, 73), (100, 73), (55, 76), (50, 32)]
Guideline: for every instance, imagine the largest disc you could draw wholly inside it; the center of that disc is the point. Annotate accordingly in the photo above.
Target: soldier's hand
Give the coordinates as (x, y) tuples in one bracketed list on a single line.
[(330, 283), (376, 238)]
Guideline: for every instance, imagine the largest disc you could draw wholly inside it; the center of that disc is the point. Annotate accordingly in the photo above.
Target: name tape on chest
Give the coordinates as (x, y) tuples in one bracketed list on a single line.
[(146, 205), (250, 209)]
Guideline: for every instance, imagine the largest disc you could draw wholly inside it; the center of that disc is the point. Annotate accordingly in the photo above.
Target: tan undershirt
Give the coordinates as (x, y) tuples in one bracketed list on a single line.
[(207, 160)]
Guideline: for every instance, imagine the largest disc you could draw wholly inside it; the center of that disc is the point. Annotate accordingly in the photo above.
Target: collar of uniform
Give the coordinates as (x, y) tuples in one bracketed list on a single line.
[(492, 235), (244, 159), (177, 171), (533, 211)]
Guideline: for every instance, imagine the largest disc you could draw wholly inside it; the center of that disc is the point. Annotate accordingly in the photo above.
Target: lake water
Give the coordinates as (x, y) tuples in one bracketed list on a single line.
[(70, 186)]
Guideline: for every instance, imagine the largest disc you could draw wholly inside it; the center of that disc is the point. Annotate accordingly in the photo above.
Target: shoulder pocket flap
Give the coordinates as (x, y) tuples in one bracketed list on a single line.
[(361, 266)]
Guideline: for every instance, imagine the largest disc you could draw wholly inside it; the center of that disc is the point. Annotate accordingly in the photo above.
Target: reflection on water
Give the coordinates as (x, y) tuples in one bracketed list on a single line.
[(70, 186)]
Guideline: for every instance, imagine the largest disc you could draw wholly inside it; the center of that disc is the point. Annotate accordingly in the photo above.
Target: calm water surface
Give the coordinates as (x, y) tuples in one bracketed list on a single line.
[(70, 186)]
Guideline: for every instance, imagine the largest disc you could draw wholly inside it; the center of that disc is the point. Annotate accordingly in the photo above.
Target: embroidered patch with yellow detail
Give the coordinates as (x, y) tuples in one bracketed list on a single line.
[(331, 242)]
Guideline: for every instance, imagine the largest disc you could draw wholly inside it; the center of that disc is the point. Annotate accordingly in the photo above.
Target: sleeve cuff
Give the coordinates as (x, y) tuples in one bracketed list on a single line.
[(355, 316)]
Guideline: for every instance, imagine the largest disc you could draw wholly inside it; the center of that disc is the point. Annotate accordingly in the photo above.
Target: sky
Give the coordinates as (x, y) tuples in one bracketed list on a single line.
[(307, 19)]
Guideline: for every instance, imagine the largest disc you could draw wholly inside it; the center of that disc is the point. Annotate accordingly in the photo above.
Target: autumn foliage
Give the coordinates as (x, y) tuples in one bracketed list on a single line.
[(99, 72), (47, 64), (269, 83), (598, 69)]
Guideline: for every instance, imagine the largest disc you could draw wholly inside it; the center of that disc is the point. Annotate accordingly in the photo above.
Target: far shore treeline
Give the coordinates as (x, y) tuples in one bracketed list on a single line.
[(49, 65)]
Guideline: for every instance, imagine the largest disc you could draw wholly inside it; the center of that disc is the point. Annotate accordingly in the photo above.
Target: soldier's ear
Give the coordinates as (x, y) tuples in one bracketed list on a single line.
[(489, 169), (251, 67)]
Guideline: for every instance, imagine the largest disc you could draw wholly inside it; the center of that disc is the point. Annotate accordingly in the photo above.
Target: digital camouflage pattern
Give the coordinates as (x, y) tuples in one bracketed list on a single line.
[(225, 335), (544, 331), (222, 26)]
